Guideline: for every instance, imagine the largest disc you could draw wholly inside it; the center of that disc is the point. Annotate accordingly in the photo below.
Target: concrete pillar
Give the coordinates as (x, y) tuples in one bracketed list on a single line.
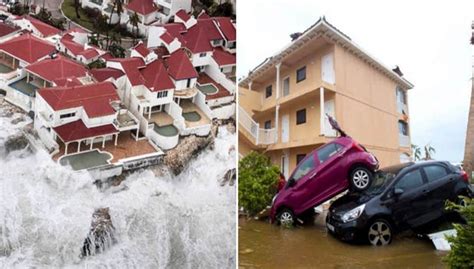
[(138, 133), (116, 139), (92, 143), (44, 83), (65, 150), (27, 77), (250, 85), (321, 106), (277, 120), (78, 146), (149, 112), (103, 141), (277, 80)]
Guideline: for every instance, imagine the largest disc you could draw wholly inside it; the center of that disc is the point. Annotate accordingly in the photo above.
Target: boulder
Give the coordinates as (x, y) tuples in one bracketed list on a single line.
[(229, 177), (176, 159), (16, 142), (101, 233)]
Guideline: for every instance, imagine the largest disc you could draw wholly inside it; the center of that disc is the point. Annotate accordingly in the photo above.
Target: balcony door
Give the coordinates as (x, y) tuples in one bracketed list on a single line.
[(327, 69), (285, 128)]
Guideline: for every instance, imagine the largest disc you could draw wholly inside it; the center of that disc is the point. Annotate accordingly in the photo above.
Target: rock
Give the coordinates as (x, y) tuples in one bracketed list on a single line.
[(16, 142), (229, 178), (101, 234), (176, 159)]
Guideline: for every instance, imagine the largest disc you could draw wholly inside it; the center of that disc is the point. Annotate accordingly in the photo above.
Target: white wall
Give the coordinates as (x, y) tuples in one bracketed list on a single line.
[(200, 101), (201, 61), (213, 71), (98, 121), (224, 112), (182, 84)]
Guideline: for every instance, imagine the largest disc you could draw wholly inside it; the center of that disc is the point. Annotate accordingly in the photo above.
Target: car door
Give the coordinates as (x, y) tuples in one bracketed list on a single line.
[(440, 187), (302, 189), (325, 181), (409, 207)]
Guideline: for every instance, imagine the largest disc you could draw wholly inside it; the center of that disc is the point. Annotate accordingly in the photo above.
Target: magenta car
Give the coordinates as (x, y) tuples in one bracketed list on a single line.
[(327, 171)]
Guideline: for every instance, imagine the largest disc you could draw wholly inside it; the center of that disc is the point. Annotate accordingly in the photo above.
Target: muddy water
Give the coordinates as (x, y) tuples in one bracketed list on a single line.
[(262, 245)]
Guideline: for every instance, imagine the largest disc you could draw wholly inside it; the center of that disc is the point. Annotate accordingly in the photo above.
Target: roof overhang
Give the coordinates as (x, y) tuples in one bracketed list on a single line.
[(322, 29)]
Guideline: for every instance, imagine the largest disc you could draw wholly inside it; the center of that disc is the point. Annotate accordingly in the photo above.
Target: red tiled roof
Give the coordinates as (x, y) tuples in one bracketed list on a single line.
[(6, 29), (176, 30), (131, 68), (156, 77), (89, 53), (210, 27), (227, 28), (94, 98), (44, 28), (77, 130), (142, 49), (197, 39), (103, 74), (180, 67), (166, 37), (183, 15), (203, 15), (223, 57), (27, 48), (67, 82), (55, 69), (72, 46), (143, 7), (107, 56)]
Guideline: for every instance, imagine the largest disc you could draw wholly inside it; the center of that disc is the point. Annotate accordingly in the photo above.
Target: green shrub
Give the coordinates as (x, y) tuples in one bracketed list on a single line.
[(258, 180), (462, 245)]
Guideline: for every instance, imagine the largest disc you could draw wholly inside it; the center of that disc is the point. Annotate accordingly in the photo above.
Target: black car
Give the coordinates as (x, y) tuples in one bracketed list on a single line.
[(401, 197)]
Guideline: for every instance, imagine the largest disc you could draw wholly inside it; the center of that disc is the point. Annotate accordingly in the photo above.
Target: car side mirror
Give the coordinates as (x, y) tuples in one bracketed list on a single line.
[(291, 182), (397, 191)]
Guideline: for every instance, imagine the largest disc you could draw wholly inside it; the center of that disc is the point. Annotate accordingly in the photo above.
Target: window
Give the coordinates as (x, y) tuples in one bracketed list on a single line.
[(328, 151), (231, 45), (401, 96), (301, 74), (299, 158), (435, 172), (268, 124), (304, 168), (402, 127), (202, 54), (216, 42), (410, 180), (188, 83), (162, 94), (286, 86), (300, 116), (67, 115), (268, 91)]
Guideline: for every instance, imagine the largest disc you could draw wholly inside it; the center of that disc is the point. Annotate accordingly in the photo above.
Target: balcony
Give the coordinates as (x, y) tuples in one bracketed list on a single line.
[(404, 140), (259, 135)]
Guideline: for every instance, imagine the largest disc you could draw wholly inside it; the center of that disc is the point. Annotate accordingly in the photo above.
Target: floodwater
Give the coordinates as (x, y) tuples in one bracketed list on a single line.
[(262, 245)]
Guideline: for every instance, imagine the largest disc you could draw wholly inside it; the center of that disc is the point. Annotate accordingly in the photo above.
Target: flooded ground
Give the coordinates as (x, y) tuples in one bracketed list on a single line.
[(262, 245)]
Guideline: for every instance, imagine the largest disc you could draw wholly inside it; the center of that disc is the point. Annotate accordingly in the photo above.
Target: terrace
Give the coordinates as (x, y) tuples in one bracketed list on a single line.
[(24, 87), (211, 88), (193, 115)]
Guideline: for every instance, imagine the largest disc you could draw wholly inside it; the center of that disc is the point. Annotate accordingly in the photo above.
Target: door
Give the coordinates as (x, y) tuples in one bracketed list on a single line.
[(329, 179), (286, 86), (285, 128), (329, 109), (327, 69), (285, 165), (441, 184), (188, 83), (410, 208), (302, 188)]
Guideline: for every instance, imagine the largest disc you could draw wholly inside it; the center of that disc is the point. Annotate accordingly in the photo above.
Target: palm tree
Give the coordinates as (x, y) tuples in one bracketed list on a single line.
[(416, 152), (76, 7), (119, 9), (134, 21), (429, 151)]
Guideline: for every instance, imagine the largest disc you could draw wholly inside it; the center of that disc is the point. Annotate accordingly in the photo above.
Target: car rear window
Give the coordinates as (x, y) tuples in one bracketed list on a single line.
[(328, 151), (435, 172)]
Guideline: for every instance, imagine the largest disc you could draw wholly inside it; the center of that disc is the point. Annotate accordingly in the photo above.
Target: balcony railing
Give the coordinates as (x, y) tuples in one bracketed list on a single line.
[(404, 140), (260, 135)]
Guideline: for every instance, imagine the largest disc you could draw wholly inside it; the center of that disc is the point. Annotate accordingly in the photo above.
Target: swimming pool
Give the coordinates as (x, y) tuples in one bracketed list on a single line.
[(207, 89), (166, 130), (192, 116)]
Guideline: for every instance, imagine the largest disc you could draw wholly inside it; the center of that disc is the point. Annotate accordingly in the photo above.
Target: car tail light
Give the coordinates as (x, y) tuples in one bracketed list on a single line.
[(464, 176)]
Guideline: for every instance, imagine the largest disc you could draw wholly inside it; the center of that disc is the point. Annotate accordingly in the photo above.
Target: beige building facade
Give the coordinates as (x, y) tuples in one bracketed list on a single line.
[(284, 101)]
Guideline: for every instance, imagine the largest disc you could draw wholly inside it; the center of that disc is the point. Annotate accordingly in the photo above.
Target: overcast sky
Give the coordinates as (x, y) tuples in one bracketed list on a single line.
[(429, 41)]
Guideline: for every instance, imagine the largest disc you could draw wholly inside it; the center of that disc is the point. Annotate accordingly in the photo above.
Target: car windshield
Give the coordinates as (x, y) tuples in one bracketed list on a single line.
[(381, 181)]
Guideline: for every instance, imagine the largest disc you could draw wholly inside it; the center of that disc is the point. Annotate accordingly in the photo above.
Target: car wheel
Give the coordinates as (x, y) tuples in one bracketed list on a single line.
[(286, 217), (380, 233), (361, 178)]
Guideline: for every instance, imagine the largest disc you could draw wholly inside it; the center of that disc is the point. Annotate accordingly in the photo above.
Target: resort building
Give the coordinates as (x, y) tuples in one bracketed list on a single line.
[(283, 102), (74, 44), (36, 27), (468, 163)]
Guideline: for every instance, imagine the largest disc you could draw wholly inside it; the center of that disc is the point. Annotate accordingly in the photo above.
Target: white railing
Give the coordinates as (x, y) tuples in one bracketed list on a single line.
[(404, 140), (266, 136), (176, 112), (261, 136)]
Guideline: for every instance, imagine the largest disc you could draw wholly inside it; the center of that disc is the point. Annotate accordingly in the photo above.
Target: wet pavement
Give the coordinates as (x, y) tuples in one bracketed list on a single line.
[(262, 245)]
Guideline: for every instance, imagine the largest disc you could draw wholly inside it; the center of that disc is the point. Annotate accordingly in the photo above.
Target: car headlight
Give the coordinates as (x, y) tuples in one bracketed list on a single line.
[(274, 198), (353, 213)]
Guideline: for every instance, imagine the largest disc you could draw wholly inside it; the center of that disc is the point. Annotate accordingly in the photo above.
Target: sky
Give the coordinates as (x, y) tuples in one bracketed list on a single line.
[(429, 40)]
